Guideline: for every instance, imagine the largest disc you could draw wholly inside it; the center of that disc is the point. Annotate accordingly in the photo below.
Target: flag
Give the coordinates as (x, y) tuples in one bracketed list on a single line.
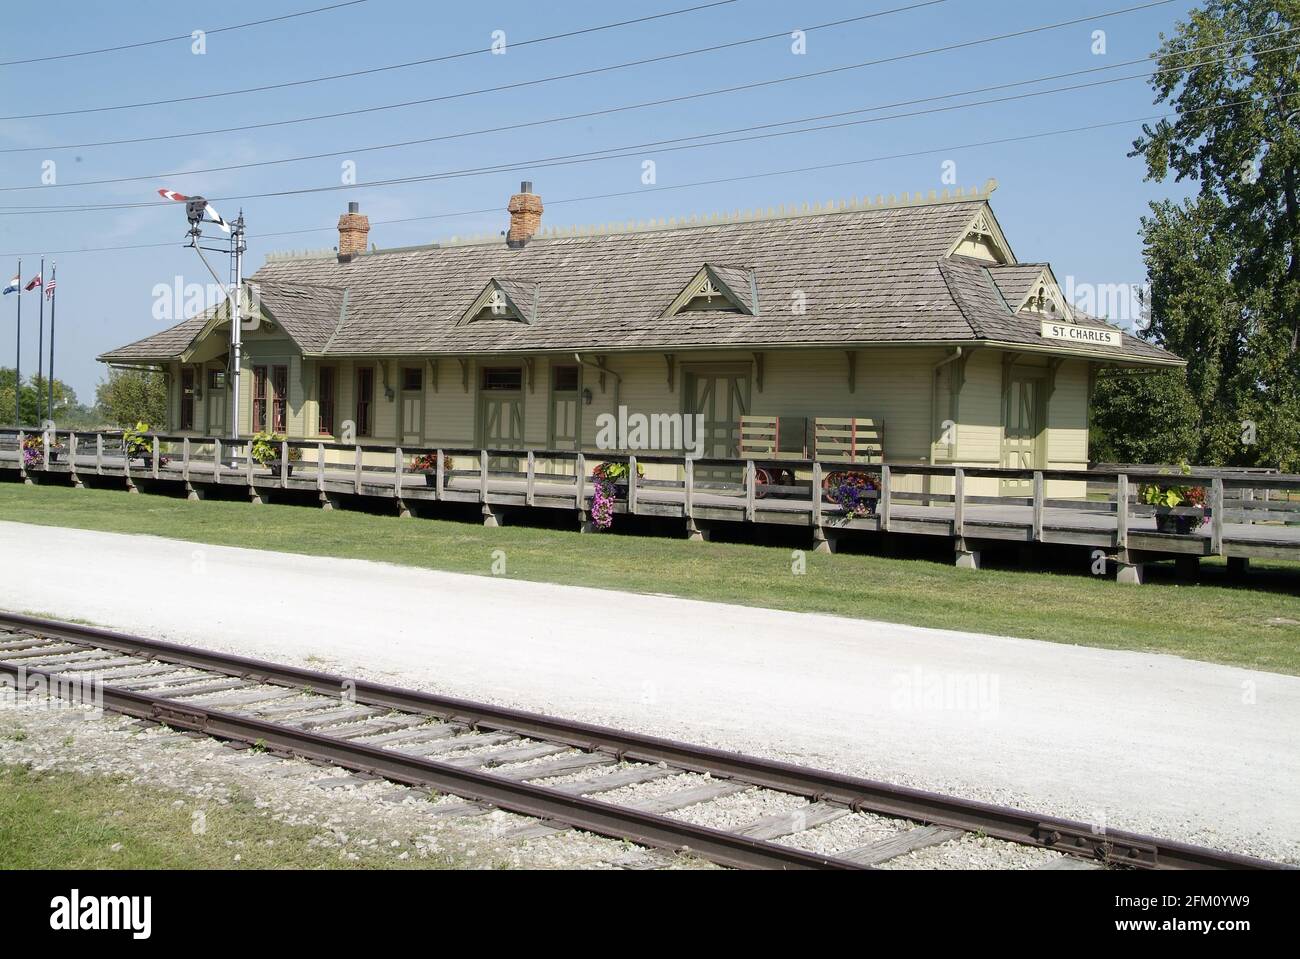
[(49, 289), (13, 285), (35, 282)]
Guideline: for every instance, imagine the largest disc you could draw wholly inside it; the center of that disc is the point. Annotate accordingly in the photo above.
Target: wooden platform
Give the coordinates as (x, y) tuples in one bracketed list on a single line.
[(1247, 515)]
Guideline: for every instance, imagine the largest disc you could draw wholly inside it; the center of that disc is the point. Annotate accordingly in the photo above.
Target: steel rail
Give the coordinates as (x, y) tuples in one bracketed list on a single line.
[(592, 815), (1060, 835)]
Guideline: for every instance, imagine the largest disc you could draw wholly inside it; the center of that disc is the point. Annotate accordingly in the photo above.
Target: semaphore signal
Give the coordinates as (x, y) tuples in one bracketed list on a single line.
[(198, 211)]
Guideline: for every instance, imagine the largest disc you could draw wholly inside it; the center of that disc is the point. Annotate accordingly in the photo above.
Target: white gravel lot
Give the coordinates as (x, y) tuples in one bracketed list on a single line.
[(1181, 749)]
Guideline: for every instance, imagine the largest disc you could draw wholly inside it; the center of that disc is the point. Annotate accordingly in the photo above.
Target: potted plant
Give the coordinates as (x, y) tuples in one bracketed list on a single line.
[(615, 474), (33, 452), (138, 445), (609, 480), (266, 452), (426, 465), (1168, 497), (852, 492)]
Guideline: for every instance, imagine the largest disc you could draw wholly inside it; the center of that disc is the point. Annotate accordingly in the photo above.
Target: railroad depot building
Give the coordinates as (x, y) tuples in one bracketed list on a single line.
[(910, 317)]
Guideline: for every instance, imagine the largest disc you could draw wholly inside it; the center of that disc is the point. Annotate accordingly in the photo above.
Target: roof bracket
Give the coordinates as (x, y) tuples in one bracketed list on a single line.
[(671, 360), (758, 370), (433, 372), (601, 363), (464, 373), (852, 357), (530, 364)]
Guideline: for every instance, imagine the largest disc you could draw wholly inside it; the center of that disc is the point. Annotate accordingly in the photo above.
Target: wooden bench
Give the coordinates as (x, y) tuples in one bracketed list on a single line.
[(769, 439), (850, 440)]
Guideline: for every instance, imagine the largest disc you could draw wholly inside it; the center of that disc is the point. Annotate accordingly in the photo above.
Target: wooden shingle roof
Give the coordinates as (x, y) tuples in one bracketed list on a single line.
[(848, 277)]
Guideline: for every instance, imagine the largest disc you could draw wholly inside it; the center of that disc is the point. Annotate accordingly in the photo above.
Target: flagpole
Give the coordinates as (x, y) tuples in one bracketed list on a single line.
[(40, 343), (54, 271), (18, 355)]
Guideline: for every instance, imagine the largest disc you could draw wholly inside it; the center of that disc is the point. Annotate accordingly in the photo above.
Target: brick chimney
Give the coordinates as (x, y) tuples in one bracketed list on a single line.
[(525, 209), (354, 230)]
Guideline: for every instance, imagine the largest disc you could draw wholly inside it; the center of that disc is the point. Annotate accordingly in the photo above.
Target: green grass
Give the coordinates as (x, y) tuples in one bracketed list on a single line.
[(1212, 620), (65, 820)]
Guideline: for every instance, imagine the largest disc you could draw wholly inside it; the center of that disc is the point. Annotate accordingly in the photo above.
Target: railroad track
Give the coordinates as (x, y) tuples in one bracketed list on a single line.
[(553, 770)]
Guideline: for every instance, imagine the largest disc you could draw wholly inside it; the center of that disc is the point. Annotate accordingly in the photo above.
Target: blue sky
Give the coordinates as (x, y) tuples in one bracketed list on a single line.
[(1074, 200)]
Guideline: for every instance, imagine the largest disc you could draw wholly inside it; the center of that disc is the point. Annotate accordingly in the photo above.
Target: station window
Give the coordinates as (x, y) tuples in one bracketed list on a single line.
[(566, 379), (503, 379)]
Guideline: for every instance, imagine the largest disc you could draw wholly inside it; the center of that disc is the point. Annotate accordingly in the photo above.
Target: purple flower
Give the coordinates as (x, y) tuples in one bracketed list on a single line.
[(602, 503)]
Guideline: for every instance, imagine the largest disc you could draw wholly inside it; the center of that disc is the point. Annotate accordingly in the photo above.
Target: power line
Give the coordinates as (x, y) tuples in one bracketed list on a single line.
[(427, 100), (619, 66), (669, 145), (862, 161), (667, 100), (47, 208), (438, 59), (182, 36)]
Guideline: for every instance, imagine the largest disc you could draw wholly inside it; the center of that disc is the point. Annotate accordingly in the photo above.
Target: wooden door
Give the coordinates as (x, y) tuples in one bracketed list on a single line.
[(501, 409), (565, 431), (503, 422), (1022, 424), (187, 397), (412, 405), (218, 399), (721, 398)]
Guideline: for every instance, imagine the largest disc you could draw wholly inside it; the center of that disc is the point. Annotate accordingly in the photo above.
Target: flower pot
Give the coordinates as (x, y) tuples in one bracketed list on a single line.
[(274, 466), (430, 476), (1167, 522)]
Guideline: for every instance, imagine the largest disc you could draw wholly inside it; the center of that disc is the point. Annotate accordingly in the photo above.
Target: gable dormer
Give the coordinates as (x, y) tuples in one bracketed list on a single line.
[(512, 301), (718, 288), (1044, 298), (982, 239)]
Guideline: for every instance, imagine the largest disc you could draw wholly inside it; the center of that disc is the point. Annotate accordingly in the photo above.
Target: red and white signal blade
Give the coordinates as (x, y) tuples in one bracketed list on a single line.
[(215, 217)]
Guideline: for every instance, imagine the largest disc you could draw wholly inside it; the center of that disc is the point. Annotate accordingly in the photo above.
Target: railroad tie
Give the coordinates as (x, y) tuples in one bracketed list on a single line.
[(788, 823), (670, 802), (505, 756), (562, 766), (906, 841)]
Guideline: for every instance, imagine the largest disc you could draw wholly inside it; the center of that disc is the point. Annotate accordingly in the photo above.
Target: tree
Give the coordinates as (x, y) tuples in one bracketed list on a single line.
[(1225, 264), (1127, 403), (35, 397), (128, 397)]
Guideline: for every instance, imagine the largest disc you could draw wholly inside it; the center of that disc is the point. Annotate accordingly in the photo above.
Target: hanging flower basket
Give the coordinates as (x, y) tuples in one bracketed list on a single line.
[(266, 452), (609, 483), (138, 446), (852, 492), (426, 465), (1167, 498)]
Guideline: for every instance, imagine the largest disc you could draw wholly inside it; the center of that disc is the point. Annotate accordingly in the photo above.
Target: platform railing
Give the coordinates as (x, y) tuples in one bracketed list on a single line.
[(911, 494)]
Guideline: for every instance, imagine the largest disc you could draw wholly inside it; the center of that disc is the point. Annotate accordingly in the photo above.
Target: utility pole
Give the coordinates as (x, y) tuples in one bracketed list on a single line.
[(196, 208), (40, 344), (18, 357), (49, 291), (237, 247)]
